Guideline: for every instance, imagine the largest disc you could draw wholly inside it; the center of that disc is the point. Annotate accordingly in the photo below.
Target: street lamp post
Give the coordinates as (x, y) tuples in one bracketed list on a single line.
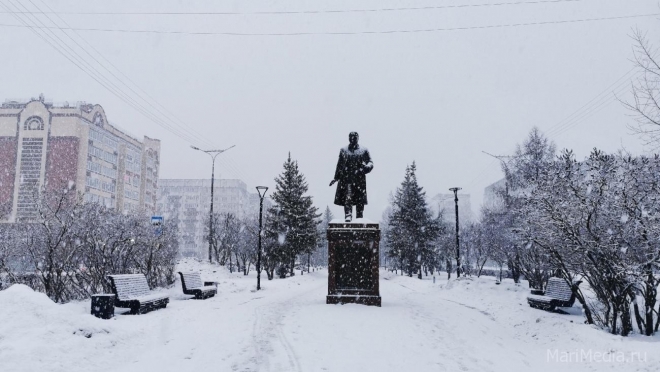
[(213, 154), (262, 193), (458, 252)]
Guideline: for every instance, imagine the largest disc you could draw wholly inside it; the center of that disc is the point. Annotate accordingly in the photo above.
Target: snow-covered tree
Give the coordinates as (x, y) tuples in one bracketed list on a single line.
[(292, 223), (522, 171), (597, 221), (645, 103), (70, 247), (412, 230), (320, 256)]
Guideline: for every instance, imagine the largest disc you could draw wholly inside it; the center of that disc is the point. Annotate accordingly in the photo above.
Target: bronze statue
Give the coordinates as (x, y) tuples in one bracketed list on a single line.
[(353, 165)]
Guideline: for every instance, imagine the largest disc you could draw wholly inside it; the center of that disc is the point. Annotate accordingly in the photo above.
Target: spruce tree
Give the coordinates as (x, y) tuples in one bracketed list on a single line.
[(293, 219), (412, 230)]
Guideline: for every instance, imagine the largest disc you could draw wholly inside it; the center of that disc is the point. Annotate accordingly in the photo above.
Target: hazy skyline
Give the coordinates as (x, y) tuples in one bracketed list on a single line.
[(439, 98)]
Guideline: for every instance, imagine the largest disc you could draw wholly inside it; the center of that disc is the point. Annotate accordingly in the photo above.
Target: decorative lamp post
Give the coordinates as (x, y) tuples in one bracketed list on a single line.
[(213, 154), (262, 193), (458, 252)]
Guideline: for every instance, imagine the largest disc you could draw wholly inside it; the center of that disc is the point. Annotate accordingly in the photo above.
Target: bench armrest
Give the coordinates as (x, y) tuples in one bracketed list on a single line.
[(210, 283), (538, 292)]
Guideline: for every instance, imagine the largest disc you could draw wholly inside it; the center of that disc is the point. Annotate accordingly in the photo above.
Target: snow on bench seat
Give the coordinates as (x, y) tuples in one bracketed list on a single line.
[(558, 294), (192, 284), (133, 292)]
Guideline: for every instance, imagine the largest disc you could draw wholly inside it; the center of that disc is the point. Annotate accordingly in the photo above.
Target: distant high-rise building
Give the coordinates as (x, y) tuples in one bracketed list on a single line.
[(493, 194), (48, 147), (445, 203), (188, 201)]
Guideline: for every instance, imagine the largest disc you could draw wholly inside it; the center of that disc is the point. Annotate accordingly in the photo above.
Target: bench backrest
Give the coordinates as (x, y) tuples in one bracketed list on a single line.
[(191, 280), (128, 286), (558, 288)]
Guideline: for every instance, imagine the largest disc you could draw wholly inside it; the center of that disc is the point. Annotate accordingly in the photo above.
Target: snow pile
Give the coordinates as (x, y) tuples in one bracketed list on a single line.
[(38, 334), (38, 328)]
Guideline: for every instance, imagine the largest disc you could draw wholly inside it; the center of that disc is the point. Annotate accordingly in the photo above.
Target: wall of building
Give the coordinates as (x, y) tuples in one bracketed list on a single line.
[(493, 194), (446, 204), (43, 147), (188, 202)]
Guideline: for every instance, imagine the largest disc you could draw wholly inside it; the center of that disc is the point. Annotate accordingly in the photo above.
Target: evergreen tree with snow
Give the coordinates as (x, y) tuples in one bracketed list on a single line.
[(293, 219), (412, 230)]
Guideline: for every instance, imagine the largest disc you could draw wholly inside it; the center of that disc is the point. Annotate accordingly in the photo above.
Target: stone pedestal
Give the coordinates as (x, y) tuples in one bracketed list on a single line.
[(353, 263)]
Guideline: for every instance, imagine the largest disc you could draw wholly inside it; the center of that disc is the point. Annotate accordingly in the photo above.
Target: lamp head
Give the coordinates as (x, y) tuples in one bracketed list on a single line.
[(262, 191)]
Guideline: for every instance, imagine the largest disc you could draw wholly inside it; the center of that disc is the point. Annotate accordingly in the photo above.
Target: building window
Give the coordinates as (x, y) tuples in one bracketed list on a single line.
[(33, 123)]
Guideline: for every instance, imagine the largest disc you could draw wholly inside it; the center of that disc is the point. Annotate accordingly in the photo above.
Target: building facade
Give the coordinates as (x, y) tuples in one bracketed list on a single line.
[(188, 201), (49, 147), (493, 194), (445, 204)]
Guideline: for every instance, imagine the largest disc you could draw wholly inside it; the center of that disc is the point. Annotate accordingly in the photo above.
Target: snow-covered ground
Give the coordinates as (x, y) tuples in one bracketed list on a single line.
[(465, 325)]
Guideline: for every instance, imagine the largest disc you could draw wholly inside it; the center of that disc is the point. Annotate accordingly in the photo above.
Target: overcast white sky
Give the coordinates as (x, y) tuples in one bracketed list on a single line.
[(439, 98)]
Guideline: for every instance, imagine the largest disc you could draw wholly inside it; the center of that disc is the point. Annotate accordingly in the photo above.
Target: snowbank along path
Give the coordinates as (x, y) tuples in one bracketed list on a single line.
[(465, 325)]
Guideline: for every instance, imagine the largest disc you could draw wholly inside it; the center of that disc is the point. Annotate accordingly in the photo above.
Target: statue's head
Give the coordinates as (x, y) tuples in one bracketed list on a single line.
[(353, 138)]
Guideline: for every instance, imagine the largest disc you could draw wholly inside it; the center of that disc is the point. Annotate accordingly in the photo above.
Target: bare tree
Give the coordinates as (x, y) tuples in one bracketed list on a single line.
[(645, 104)]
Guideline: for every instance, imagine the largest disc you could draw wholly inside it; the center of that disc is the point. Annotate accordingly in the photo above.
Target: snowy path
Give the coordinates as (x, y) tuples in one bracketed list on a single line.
[(469, 325), (405, 332)]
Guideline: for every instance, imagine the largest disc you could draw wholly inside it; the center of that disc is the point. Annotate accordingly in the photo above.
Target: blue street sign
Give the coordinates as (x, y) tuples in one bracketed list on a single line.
[(157, 223)]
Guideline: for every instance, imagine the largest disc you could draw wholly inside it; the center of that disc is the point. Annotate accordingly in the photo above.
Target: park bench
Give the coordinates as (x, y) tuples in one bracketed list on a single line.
[(557, 294), (132, 291), (192, 285)]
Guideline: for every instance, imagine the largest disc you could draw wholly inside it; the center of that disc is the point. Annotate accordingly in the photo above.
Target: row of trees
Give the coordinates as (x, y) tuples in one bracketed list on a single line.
[(68, 250), (234, 241), (293, 231), (596, 221), (417, 241)]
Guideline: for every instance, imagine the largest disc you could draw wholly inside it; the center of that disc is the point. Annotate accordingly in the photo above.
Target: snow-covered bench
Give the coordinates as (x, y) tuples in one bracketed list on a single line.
[(132, 291), (557, 294), (192, 285)]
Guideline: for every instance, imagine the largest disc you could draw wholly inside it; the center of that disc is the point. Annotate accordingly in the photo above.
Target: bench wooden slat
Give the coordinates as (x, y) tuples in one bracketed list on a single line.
[(558, 289), (133, 291), (558, 293), (193, 280), (130, 286), (192, 284)]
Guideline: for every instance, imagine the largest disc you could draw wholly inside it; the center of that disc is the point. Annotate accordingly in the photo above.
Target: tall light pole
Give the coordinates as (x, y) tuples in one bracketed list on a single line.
[(458, 252), (213, 154), (262, 193)]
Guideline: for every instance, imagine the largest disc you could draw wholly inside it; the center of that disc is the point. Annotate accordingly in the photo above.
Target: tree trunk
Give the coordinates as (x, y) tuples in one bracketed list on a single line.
[(448, 263), (585, 308), (649, 303), (638, 317), (626, 319)]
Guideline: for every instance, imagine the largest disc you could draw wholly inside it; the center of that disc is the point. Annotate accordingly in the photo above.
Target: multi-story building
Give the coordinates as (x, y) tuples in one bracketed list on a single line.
[(445, 204), (493, 194), (188, 201), (48, 147)]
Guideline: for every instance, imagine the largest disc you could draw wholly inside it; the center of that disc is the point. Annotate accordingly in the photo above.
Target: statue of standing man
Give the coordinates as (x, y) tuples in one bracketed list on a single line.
[(353, 165)]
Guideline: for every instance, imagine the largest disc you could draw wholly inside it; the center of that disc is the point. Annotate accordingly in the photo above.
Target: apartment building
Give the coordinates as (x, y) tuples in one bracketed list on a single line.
[(44, 146), (188, 201)]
